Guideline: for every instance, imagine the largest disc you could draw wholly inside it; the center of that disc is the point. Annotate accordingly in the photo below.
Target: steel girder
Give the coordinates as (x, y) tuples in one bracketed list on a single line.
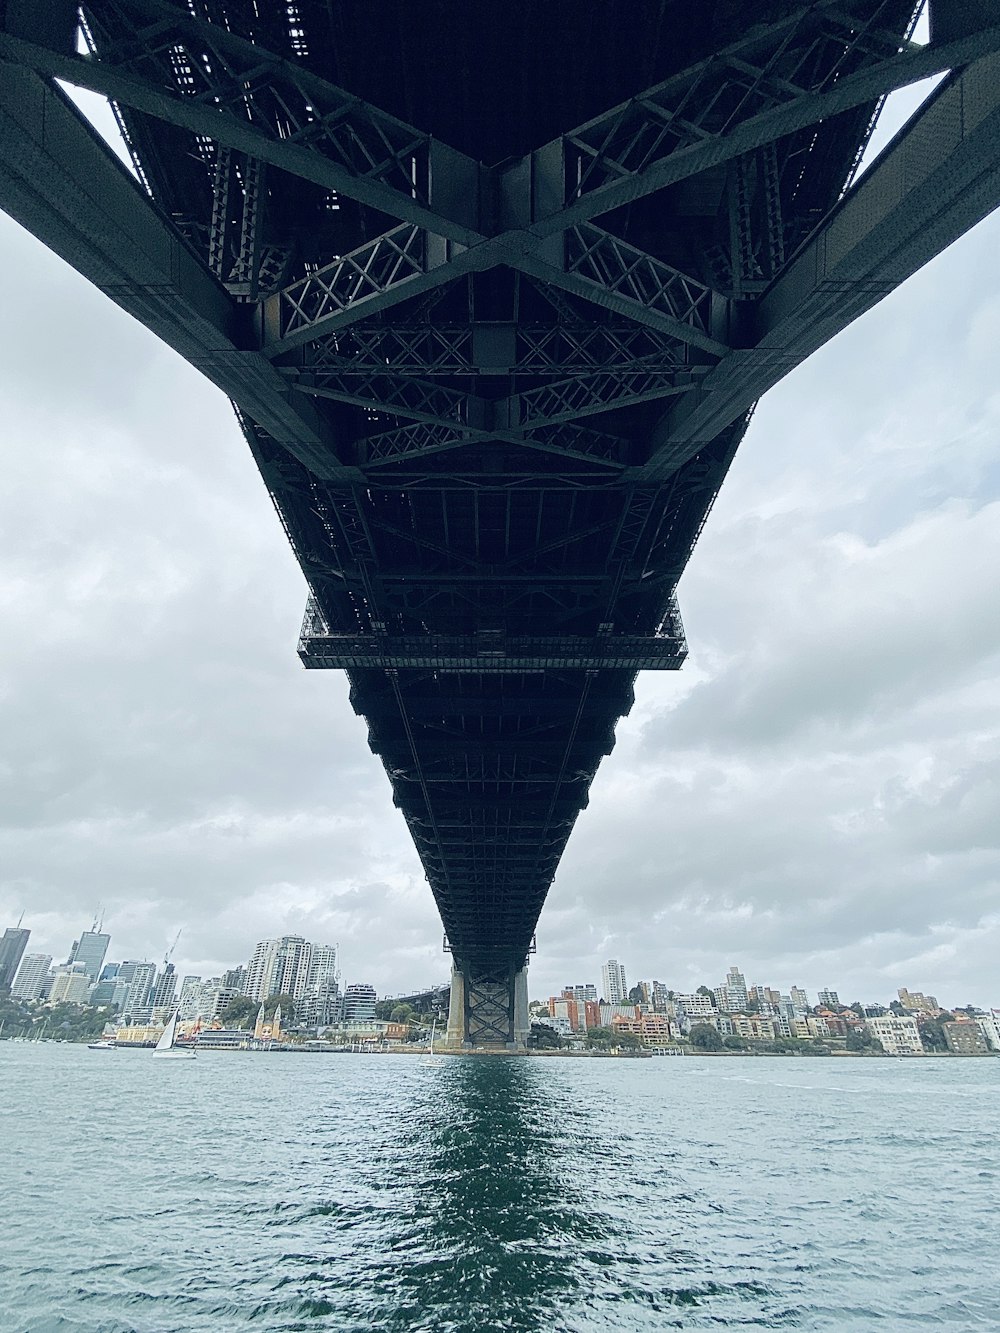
[(415, 340)]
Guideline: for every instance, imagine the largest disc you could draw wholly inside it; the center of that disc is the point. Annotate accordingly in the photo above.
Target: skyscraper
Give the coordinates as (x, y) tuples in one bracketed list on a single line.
[(12, 946), (161, 997), (614, 983), (133, 985), (32, 976), (278, 967), (90, 950), (319, 1003)]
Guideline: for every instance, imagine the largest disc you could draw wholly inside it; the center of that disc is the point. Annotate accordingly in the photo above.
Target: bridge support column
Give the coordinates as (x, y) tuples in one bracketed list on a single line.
[(489, 1009)]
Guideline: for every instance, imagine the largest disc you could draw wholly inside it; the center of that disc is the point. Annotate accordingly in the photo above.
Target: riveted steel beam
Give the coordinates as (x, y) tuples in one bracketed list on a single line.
[(745, 97), (203, 78), (938, 178), (63, 184)]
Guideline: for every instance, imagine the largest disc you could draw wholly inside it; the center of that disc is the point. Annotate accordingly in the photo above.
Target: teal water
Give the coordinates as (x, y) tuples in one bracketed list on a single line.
[(242, 1192)]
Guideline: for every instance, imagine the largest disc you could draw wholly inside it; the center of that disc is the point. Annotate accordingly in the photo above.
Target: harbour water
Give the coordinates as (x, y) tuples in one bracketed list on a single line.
[(254, 1192)]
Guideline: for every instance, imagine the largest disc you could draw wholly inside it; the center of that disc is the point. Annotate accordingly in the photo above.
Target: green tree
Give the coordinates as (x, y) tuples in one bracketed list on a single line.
[(239, 1012), (543, 1037), (635, 995), (932, 1034), (734, 1042), (704, 1037), (402, 1013), (383, 1008), (703, 990), (611, 1039)]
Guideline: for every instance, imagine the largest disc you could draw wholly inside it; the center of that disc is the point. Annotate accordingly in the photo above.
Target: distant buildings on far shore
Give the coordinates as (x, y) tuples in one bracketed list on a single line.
[(761, 1016)]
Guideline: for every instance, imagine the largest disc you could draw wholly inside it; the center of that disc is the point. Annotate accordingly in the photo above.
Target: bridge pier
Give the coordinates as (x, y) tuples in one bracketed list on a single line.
[(489, 1009)]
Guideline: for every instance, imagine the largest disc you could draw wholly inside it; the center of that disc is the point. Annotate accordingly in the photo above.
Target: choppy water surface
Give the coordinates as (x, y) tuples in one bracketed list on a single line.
[(362, 1192)]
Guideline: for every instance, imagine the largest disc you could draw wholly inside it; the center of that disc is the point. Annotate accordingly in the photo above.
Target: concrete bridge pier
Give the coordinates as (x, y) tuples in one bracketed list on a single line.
[(489, 1009)]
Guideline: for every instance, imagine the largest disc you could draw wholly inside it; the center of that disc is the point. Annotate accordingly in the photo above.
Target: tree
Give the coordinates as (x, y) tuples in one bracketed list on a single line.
[(705, 1037), (383, 1009), (239, 1012), (402, 1013), (703, 990), (636, 996), (733, 1042), (543, 1037), (611, 1039), (932, 1034)]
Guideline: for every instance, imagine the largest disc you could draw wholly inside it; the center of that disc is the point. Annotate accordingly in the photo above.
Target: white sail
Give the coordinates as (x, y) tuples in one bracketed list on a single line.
[(166, 1041)]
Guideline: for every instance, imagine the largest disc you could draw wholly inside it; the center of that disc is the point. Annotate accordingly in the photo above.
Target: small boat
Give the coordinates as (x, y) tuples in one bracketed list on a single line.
[(105, 1044), (167, 1046)]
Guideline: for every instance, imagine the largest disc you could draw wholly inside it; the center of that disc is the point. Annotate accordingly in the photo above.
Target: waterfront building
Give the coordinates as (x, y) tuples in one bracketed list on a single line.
[(989, 1025), (695, 1006), (359, 1003), (90, 950), (916, 1002), (829, 998), (12, 946), (965, 1038), (614, 982), (32, 976), (70, 984), (898, 1034), (751, 1027)]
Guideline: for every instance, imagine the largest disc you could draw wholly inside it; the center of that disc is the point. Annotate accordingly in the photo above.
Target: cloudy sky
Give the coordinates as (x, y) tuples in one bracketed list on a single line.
[(815, 797)]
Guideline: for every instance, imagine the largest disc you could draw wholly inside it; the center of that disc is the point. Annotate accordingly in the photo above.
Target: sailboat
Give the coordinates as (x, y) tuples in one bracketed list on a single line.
[(430, 1058), (167, 1046)]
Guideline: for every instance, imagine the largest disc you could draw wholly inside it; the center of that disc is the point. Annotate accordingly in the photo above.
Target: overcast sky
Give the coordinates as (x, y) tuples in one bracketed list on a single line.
[(815, 797)]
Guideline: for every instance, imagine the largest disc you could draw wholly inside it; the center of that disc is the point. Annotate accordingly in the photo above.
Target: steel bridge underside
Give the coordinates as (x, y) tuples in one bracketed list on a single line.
[(494, 290)]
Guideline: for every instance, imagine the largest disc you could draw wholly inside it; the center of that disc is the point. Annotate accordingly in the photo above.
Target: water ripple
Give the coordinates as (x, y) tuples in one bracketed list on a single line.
[(483, 1196)]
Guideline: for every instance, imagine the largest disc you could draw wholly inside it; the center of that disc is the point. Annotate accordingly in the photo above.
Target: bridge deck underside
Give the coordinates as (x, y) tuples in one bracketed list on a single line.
[(495, 330)]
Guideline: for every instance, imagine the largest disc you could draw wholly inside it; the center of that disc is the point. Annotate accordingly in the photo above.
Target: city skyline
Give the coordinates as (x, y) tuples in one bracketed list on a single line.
[(286, 963), (815, 791)]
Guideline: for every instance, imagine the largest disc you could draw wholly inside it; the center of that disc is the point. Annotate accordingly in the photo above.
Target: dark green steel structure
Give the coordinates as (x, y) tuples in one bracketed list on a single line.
[(494, 288)]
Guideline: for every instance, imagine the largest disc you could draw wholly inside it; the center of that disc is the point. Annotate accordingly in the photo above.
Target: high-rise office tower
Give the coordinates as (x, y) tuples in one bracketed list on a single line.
[(12, 945), (32, 976), (90, 950)]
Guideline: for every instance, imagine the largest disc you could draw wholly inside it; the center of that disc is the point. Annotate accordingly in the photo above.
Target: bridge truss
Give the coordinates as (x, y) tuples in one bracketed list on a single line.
[(494, 290)]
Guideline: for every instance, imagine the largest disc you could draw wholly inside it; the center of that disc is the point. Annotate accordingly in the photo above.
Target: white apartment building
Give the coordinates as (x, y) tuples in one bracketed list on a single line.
[(899, 1036), (695, 1006), (614, 984), (32, 976), (278, 967), (990, 1026)]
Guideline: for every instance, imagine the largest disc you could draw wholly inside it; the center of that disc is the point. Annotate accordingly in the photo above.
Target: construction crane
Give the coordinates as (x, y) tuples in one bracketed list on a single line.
[(170, 952)]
